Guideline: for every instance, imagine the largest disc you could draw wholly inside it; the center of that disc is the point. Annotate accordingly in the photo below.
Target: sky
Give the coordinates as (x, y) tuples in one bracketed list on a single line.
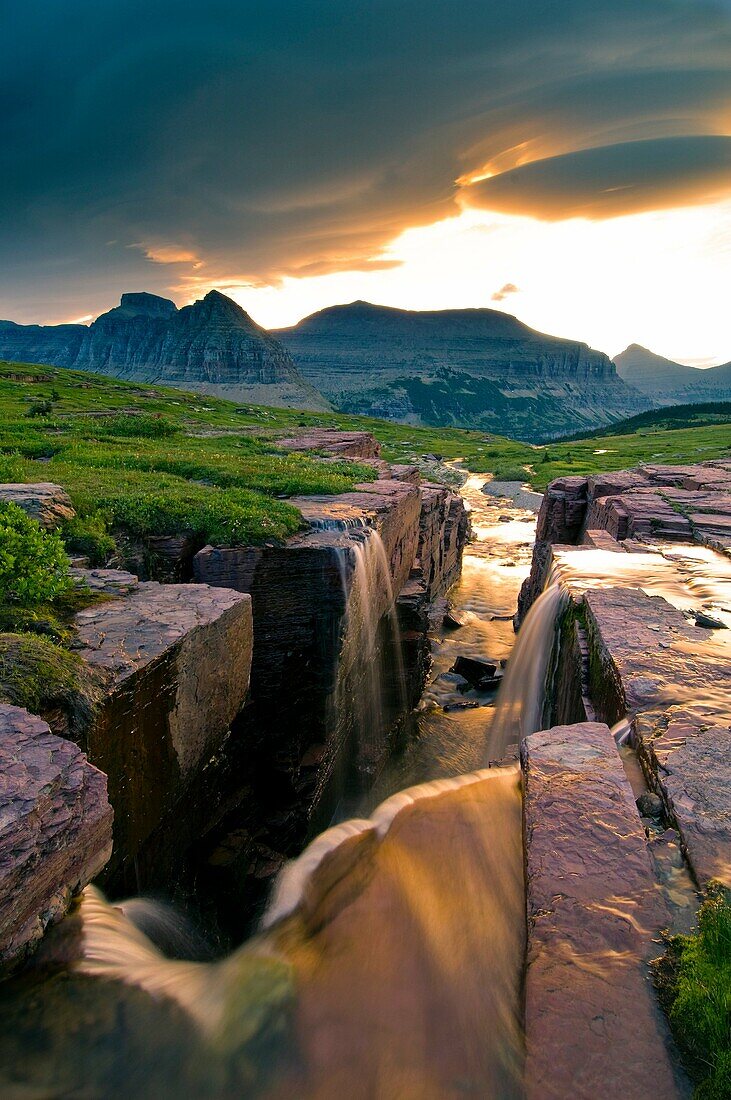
[(568, 162)]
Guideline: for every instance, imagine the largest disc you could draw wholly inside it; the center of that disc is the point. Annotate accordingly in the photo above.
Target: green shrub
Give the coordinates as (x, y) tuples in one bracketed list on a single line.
[(11, 469), (33, 563), (40, 408), (697, 994), (137, 426), (509, 473), (88, 535)]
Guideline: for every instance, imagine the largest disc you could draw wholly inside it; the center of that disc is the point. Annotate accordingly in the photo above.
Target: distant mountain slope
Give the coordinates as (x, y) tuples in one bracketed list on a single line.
[(666, 419), (212, 346), (672, 383), (472, 368)]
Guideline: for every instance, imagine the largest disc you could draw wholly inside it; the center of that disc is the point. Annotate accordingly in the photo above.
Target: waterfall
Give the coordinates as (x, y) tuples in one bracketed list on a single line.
[(522, 694), (370, 661)]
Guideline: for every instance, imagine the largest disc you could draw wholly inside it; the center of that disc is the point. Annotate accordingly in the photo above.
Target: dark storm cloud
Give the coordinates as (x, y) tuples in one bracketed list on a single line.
[(164, 144), (614, 179)]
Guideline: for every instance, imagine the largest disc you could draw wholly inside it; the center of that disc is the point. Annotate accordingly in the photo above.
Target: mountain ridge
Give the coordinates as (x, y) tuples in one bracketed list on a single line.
[(671, 383), (212, 346), (471, 368)]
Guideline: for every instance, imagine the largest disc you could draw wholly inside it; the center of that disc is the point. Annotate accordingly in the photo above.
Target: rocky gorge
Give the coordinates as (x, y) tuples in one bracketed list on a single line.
[(234, 717)]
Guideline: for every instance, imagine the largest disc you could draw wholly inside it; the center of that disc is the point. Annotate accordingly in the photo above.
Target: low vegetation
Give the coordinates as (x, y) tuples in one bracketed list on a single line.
[(694, 979), (34, 566), (37, 673), (146, 460), (154, 461), (37, 602), (667, 419)]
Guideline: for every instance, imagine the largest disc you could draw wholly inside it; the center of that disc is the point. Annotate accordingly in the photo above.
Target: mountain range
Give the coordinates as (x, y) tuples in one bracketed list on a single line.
[(669, 383), (212, 346), (470, 368)]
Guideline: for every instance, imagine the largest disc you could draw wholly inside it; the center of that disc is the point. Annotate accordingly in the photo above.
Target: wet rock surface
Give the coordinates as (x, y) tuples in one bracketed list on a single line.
[(689, 761), (594, 914), (55, 829), (654, 503), (49, 504)]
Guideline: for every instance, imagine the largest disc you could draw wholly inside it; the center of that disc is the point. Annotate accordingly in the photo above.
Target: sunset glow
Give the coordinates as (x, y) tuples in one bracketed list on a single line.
[(659, 279)]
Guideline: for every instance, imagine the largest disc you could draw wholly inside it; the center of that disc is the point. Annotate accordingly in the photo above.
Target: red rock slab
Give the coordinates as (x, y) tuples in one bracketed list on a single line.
[(593, 1026), (691, 760), (175, 660), (347, 444), (602, 540), (712, 524), (404, 472), (626, 627), (55, 829), (639, 513)]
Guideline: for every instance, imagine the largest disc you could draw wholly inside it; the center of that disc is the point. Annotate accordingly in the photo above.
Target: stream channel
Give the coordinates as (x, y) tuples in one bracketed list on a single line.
[(389, 963)]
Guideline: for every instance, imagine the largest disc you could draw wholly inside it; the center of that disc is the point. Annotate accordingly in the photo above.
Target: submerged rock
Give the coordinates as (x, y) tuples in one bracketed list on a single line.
[(474, 670), (702, 618)]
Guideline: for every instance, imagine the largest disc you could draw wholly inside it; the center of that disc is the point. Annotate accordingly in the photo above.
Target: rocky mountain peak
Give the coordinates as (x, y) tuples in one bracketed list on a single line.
[(218, 308), (143, 304)]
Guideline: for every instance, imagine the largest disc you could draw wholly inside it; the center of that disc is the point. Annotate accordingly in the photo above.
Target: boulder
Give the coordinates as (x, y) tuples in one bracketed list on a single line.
[(49, 504), (175, 660), (474, 671), (55, 829)]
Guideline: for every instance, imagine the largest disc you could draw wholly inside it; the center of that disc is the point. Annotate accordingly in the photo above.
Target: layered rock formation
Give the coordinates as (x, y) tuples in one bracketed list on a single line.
[(665, 503), (330, 677), (473, 368), (639, 655), (594, 915), (55, 829), (212, 346), (170, 665), (175, 663), (669, 383)]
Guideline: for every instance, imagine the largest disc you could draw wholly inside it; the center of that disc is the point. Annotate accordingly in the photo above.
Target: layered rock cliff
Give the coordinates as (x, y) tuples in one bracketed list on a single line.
[(212, 346), (473, 368)]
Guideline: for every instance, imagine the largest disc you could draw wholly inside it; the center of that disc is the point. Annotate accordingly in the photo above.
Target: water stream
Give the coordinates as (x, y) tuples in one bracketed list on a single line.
[(369, 659), (389, 963)]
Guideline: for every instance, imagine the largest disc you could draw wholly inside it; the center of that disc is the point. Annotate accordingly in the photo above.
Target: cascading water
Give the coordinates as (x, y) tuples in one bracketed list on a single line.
[(371, 660), (521, 697), (391, 960)]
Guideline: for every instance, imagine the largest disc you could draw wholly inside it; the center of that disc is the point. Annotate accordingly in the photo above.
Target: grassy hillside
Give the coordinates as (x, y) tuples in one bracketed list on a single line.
[(141, 459), (667, 418)]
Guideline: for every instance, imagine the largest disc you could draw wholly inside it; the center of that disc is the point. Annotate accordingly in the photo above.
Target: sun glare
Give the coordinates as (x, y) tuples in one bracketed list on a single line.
[(659, 279)]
